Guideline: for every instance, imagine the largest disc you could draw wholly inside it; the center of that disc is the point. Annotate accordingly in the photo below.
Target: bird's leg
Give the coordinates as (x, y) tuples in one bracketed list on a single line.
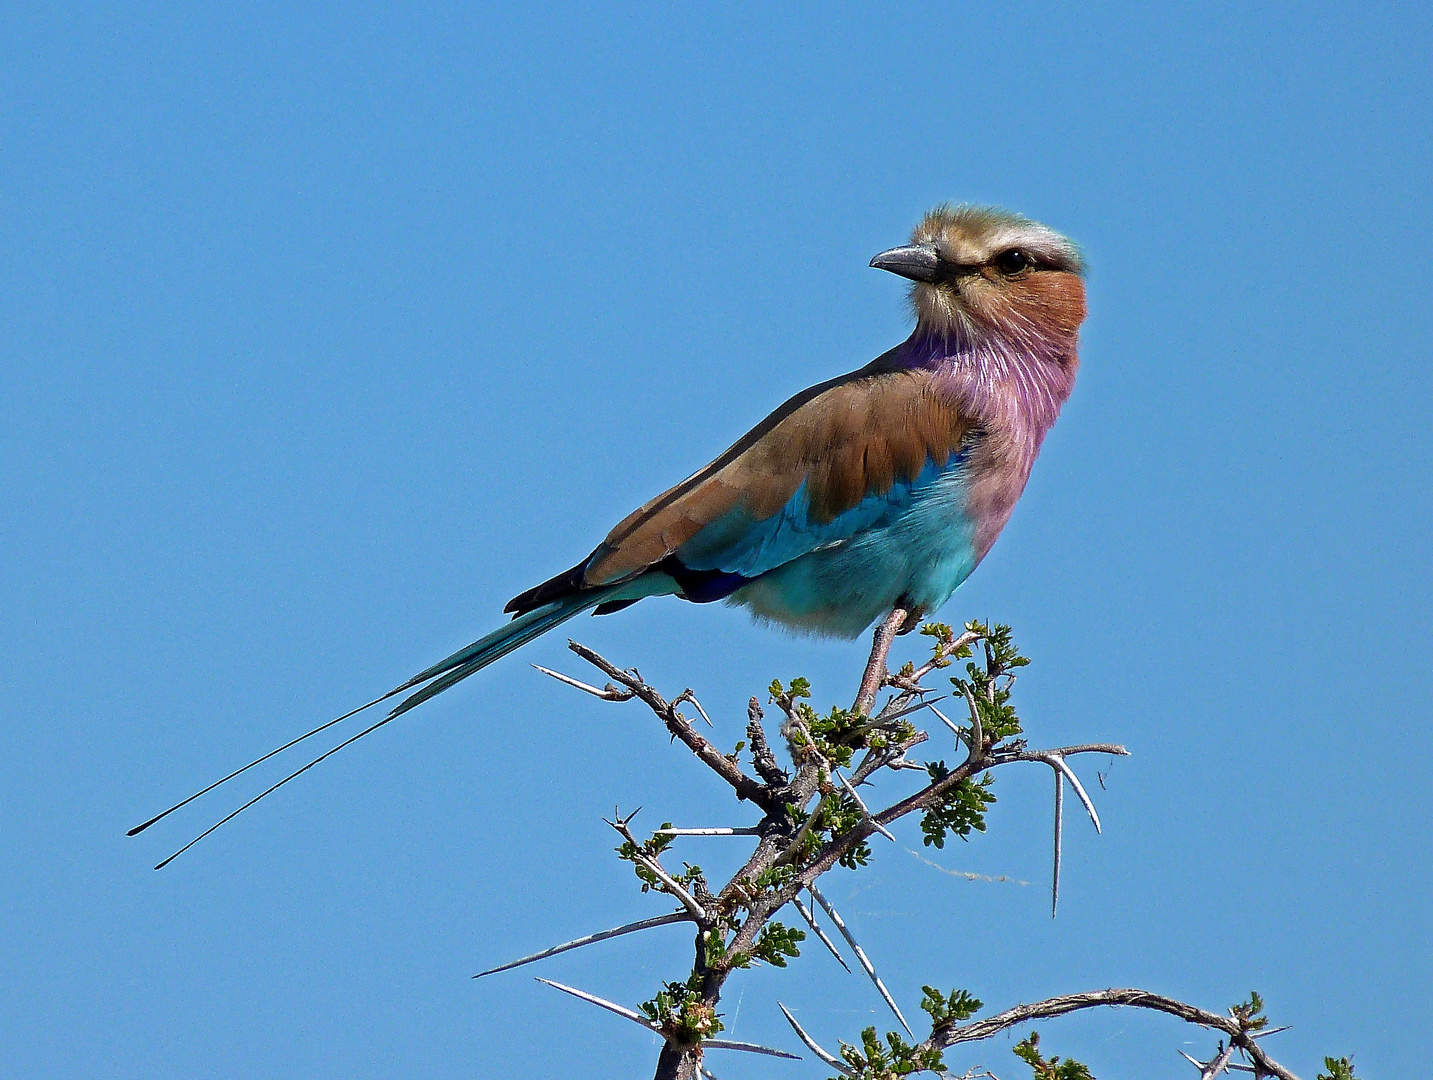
[(875, 676)]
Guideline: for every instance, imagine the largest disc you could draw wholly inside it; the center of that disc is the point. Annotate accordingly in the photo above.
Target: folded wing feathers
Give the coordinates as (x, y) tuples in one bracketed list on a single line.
[(858, 437)]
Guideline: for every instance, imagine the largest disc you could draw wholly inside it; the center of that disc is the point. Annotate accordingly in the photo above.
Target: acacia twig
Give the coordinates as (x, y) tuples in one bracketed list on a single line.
[(875, 675), (673, 886), (949, 1034), (714, 759)]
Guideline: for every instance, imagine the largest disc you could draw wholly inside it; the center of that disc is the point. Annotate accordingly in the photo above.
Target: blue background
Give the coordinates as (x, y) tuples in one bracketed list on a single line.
[(327, 329)]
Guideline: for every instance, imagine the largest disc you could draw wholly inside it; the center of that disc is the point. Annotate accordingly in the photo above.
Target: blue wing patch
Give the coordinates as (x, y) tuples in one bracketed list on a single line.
[(734, 544)]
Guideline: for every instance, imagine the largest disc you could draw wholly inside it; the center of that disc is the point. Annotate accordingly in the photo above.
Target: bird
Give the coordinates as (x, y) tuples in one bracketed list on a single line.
[(874, 492)]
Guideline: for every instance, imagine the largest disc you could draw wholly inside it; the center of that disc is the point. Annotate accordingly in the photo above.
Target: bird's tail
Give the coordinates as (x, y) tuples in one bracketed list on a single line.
[(438, 678), (454, 669)]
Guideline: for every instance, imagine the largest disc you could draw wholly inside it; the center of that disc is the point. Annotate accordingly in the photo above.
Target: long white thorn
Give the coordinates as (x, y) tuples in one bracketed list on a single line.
[(811, 1044), (605, 695), (976, 742), (860, 956), (620, 1010), (753, 831), (948, 722), (1057, 762), (866, 810), (750, 1048), (1059, 821), (687, 695), (810, 918), (590, 939), (917, 707)]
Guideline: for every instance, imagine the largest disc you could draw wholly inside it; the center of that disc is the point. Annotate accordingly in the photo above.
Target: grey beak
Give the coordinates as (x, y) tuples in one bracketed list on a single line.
[(919, 262)]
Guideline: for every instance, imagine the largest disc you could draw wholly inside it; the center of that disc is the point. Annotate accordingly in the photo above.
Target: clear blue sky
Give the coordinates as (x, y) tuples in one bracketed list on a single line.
[(326, 329)]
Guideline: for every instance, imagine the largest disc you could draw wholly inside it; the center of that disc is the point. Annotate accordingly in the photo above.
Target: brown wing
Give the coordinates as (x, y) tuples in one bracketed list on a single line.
[(852, 436)]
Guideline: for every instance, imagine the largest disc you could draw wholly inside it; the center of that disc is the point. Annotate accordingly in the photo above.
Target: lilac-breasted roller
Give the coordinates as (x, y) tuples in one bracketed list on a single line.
[(875, 490), (881, 488)]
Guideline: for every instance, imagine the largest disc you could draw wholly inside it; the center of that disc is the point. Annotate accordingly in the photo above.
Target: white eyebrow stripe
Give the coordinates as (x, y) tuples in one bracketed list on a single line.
[(1034, 239)]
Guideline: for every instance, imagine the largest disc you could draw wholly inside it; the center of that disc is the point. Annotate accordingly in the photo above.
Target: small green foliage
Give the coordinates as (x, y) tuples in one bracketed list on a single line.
[(872, 1061), (775, 877), (1338, 1069), (799, 688), (1028, 1051), (989, 686), (836, 815), (858, 856), (1250, 1014), (776, 942), (941, 653), (714, 952), (938, 630), (961, 810), (836, 735), (651, 849), (944, 1010), (680, 1010)]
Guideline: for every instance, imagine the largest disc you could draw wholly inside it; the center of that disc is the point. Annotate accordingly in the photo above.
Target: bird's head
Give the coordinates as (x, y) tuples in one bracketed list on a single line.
[(979, 271)]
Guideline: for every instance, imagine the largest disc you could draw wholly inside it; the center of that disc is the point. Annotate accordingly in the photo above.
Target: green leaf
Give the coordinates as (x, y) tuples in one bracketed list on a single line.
[(1338, 1069), (1250, 1014), (776, 942), (960, 810), (680, 1009), (1028, 1051), (943, 1010)]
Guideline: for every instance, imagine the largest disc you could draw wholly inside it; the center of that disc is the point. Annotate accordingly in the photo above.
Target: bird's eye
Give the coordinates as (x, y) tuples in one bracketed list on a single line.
[(1013, 261)]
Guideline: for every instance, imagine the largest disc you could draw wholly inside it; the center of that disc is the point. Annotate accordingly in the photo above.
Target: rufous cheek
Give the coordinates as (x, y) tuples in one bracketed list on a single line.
[(1051, 300)]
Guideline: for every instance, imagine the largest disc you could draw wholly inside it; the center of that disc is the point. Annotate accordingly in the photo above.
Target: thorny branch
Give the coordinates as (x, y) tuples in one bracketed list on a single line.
[(798, 841), (1243, 1031)]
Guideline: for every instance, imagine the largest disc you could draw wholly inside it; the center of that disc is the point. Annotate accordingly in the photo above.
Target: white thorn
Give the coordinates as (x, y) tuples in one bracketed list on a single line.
[(590, 939), (830, 1059), (864, 808), (1059, 814), (620, 1010), (709, 832), (860, 956), (750, 1048), (1270, 1031), (810, 918), (606, 695), (949, 723), (1057, 762), (910, 709), (977, 734), (698, 706)]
